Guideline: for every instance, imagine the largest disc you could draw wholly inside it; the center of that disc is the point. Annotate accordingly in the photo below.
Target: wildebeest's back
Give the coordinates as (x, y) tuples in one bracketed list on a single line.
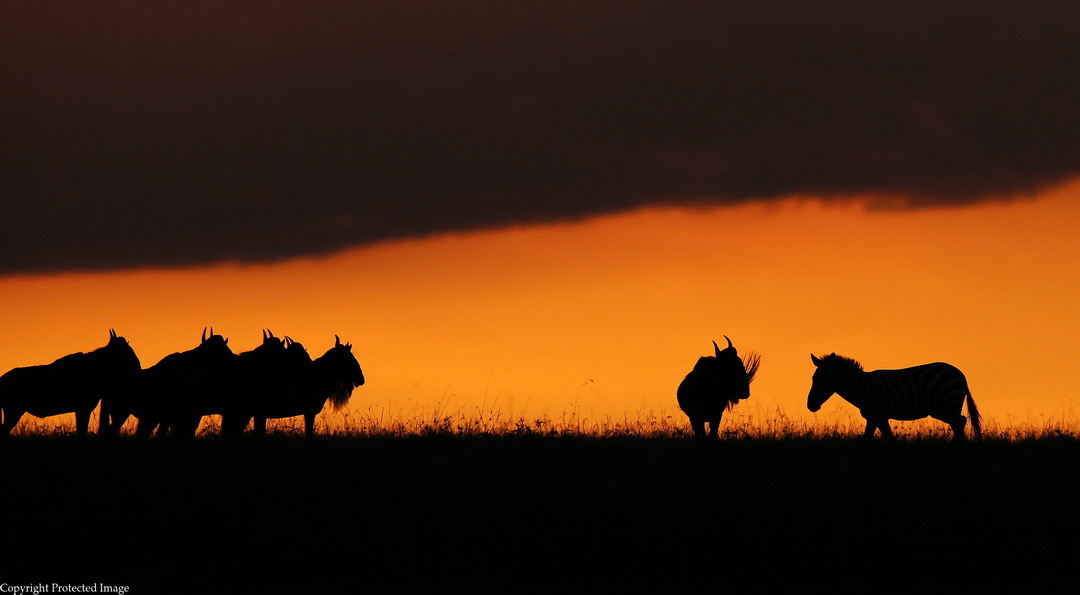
[(65, 386)]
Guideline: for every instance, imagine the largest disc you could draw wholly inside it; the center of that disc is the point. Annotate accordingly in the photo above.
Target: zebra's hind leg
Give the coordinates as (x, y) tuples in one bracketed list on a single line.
[(958, 424)]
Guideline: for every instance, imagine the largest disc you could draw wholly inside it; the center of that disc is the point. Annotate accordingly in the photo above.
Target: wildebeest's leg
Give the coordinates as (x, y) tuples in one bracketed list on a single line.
[(233, 425), (260, 426), (82, 422), (185, 427), (699, 426), (145, 428), (714, 427), (112, 422), (103, 420), (309, 426), (886, 431), (11, 419), (868, 433)]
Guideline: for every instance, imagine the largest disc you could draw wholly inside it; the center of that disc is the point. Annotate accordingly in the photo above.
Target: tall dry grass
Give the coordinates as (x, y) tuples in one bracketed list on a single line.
[(663, 424)]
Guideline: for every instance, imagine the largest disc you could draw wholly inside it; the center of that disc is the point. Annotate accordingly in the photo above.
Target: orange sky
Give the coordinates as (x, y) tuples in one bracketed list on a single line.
[(605, 316)]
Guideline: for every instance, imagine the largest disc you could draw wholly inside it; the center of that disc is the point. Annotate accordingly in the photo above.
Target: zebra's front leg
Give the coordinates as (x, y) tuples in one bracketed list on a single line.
[(875, 424)]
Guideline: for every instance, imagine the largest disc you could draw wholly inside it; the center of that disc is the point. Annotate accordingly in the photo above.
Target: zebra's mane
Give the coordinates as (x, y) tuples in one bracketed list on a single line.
[(838, 360)]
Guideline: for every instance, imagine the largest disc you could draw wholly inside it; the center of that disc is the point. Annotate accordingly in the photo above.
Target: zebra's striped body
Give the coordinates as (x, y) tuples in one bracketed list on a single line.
[(936, 390)]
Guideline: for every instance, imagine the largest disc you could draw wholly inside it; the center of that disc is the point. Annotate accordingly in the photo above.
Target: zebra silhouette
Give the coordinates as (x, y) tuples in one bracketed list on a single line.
[(935, 390)]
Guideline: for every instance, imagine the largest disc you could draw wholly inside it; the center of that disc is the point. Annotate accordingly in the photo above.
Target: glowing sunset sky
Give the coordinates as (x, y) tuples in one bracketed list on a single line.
[(555, 207)]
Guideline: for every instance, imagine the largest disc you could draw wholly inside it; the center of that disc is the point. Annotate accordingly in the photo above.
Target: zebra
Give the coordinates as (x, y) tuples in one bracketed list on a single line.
[(935, 390)]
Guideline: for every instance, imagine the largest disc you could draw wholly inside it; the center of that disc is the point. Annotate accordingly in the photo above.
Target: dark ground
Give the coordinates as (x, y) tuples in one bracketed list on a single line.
[(541, 514)]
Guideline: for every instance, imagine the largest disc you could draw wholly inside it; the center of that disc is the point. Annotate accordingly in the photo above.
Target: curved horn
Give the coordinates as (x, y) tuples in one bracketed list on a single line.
[(270, 333), (717, 348), (204, 334), (112, 333), (337, 341), (729, 345), (264, 334), (211, 331)]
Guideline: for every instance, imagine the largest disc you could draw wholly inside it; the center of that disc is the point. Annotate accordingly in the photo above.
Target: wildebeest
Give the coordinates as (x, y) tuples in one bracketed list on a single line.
[(175, 392), (302, 386), (72, 384), (268, 368), (716, 383), (935, 390)]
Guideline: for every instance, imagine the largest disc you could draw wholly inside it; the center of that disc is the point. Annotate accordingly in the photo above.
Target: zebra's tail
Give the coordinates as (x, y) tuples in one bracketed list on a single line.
[(973, 413)]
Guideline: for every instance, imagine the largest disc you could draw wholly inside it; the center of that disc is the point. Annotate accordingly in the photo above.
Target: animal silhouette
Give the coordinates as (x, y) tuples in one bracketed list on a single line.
[(935, 390), (176, 392), (266, 369), (302, 386), (72, 384), (716, 383)]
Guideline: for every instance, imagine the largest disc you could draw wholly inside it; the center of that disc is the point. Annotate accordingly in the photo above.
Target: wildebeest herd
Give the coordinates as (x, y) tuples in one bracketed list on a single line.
[(276, 379), (279, 379)]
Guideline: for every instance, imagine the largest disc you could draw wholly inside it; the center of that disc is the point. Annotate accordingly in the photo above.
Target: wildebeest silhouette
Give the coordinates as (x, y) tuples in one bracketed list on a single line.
[(175, 393), (267, 368), (716, 383), (936, 390), (301, 386), (72, 384)]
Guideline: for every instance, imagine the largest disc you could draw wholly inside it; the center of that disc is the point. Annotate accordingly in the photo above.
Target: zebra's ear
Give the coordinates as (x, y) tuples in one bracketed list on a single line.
[(817, 362)]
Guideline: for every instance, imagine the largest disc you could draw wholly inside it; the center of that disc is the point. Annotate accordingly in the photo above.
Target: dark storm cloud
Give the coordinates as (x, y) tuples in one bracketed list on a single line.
[(186, 133)]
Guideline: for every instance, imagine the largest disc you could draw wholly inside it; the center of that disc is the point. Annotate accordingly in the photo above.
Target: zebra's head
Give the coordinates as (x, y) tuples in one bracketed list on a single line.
[(827, 377)]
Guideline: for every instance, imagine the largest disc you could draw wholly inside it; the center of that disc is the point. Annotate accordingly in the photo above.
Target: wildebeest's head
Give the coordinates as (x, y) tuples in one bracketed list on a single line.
[(119, 354), (727, 371), (341, 367), (213, 347), (271, 342), (296, 352)]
